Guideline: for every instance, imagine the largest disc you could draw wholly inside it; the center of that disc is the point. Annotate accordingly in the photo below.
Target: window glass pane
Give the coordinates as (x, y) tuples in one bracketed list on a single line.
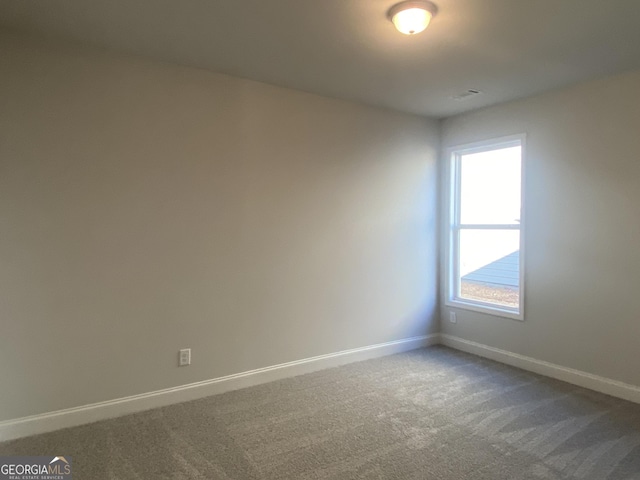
[(489, 266), (490, 187)]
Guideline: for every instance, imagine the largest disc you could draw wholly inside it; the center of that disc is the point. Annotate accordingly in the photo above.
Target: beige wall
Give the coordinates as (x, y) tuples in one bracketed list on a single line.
[(146, 207), (582, 308)]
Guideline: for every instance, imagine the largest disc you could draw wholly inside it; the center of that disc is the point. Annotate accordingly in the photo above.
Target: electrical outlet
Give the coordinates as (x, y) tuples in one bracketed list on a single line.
[(453, 317), (184, 357)]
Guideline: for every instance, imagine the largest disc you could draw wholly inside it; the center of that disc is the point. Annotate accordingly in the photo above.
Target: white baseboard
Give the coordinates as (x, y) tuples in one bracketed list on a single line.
[(569, 375), (71, 417)]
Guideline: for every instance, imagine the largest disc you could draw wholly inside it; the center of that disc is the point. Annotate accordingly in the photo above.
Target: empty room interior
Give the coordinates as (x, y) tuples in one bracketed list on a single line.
[(334, 239)]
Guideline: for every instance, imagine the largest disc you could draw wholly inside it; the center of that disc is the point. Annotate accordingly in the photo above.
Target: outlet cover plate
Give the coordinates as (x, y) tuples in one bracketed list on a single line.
[(184, 357)]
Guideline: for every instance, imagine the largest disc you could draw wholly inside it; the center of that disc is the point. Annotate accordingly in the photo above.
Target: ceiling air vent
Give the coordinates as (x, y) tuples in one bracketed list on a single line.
[(472, 92)]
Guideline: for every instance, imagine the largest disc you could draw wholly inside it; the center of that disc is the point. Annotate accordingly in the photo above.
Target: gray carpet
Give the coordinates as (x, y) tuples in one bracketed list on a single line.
[(427, 414)]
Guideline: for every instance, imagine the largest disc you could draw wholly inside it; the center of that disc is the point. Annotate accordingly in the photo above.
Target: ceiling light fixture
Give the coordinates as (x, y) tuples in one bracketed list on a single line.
[(412, 17)]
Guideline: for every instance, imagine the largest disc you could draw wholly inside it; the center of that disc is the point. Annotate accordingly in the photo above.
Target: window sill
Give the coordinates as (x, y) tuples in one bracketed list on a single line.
[(493, 310)]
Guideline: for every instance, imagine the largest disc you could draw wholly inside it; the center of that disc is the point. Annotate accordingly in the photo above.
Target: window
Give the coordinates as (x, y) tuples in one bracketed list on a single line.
[(484, 267)]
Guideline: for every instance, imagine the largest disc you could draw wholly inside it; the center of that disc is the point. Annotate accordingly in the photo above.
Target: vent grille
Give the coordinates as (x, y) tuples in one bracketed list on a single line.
[(472, 92)]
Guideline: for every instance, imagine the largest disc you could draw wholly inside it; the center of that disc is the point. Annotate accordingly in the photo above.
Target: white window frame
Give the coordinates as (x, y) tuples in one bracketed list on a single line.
[(453, 225)]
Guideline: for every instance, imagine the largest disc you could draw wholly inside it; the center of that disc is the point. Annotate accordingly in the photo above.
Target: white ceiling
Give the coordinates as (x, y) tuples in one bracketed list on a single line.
[(348, 49)]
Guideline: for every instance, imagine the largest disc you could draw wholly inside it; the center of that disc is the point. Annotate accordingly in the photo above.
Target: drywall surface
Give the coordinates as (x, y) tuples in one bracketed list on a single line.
[(146, 208), (582, 255)]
